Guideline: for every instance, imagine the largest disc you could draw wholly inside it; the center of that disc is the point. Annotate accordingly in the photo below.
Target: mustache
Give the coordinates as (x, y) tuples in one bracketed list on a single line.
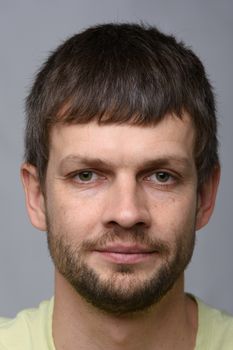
[(132, 236)]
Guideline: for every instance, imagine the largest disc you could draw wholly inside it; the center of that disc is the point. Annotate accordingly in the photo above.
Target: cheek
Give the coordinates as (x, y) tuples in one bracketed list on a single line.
[(174, 215), (76, 217)]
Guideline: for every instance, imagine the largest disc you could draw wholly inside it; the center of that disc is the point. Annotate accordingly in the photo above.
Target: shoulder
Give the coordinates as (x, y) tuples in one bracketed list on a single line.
[(30, 329), (215, 328)]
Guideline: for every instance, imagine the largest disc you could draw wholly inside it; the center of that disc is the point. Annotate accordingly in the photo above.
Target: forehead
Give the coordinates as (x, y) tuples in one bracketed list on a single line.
[(124, 143)]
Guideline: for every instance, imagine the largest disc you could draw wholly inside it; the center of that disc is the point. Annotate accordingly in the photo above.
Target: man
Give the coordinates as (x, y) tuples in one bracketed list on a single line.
[(121, 168)]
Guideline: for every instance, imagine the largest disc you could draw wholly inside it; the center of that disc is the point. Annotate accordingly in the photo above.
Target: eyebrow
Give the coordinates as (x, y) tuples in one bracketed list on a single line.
[(96, 162)]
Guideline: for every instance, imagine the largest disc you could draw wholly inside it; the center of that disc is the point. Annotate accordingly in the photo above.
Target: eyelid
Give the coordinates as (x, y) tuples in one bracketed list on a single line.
[(78, 171), (160, 170), (75, 173)]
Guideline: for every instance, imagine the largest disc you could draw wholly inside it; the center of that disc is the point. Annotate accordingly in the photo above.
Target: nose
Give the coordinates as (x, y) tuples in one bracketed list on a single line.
[(126, 205)]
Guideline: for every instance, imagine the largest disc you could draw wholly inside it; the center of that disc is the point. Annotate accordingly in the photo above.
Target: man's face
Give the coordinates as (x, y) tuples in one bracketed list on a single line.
[(121, 206)]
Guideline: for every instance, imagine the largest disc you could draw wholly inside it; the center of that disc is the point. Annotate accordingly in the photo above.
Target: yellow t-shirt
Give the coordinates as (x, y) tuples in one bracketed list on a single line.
[(32, 329)]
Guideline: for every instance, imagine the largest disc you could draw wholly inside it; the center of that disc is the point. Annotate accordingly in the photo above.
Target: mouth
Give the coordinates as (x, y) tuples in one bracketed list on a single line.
[(126, 254)]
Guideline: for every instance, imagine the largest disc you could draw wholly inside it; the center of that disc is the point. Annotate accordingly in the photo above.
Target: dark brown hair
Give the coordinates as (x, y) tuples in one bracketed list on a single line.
[(121, 73)]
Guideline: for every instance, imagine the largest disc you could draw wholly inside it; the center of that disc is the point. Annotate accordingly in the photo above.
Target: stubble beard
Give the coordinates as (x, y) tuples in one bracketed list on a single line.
[(123, 292)]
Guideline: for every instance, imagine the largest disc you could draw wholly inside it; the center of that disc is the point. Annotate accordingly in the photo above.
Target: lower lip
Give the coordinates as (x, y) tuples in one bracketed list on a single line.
[(126, 258)]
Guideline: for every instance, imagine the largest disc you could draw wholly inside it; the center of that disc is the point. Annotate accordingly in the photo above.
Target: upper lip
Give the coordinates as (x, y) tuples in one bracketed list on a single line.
[(126, 249)]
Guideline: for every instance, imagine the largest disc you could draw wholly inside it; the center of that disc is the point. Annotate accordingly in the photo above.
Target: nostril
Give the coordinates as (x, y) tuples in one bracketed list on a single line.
[(115, 225)]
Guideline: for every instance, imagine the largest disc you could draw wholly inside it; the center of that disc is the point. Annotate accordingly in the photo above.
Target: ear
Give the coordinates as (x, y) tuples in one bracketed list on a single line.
[(206, 198), (35, 201)]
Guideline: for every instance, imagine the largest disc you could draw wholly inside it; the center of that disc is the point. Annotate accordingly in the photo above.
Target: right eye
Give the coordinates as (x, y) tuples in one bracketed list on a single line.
[(85, 176)]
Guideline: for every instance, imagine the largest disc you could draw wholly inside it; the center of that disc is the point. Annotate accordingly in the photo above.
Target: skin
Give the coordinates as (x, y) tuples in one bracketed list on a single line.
[(146, 178)]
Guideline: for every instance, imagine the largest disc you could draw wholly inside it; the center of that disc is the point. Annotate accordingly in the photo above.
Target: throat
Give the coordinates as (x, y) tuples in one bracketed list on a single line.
[(170, 324)]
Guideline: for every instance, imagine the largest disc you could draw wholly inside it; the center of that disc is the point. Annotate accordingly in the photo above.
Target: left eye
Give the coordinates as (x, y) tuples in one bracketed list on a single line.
[(160, 176)]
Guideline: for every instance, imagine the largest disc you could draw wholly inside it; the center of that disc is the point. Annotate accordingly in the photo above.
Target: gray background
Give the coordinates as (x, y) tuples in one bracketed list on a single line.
[(28, 31)]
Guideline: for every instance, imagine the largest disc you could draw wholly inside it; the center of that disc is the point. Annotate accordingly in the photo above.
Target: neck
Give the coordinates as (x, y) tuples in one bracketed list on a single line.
[(170, 324)]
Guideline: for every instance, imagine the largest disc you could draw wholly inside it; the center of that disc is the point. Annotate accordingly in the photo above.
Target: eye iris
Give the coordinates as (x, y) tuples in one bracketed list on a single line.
[(85, 176), (162, 176)]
